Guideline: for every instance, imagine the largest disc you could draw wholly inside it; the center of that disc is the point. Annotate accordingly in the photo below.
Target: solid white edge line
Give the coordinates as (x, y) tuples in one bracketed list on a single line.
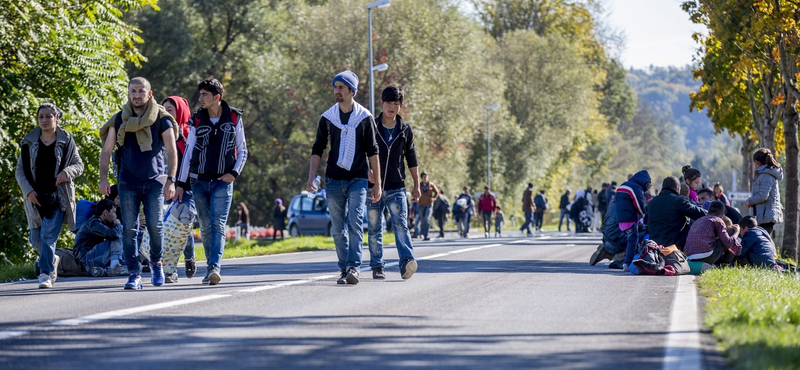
[(11, 334), (134, 310), (683, 339)]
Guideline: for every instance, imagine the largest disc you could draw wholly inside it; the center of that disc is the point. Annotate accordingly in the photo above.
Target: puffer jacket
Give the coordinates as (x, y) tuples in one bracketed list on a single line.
[(66, 191), (766, 199), (758, 248), (630, 198)]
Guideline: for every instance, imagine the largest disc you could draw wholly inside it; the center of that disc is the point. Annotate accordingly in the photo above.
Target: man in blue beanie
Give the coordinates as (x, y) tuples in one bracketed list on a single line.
[(351, 129)]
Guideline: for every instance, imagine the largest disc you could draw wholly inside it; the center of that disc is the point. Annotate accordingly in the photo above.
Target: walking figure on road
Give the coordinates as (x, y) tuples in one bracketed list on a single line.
[(562, 206), (215, 157), (540, 202), (429, 194), (487, 204), (351, 130), (395, 143), (528, 207)]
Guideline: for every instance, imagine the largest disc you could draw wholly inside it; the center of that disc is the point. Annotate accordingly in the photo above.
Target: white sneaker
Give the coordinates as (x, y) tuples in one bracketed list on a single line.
[(626, 267), (45, 282), (54, 274)]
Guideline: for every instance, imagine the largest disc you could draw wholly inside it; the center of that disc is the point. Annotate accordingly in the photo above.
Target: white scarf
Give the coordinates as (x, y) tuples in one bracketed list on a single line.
[(347, 139)]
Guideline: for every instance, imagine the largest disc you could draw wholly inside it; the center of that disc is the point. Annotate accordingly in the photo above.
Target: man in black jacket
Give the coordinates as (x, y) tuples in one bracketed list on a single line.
[(98, 243), (670, 214), (564, 212), (395, 143), (350, 128)]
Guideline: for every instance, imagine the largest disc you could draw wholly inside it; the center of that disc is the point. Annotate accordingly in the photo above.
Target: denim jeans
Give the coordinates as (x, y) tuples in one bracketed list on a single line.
[(632, 236), (564, 214), (346, 202), (424, 220), (213, 201), (131, 196), (100, 255), (188, 252), (44, 239), (526, 226), (396, 202), (487, 221)]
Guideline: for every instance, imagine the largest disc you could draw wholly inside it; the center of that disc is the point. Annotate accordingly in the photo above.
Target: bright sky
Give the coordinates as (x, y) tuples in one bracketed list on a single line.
[(658, 32)]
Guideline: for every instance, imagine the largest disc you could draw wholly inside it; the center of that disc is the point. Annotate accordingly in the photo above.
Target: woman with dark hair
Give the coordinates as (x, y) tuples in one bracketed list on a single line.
[(693, 179), (48, 163), (766, 198), (278, 218)]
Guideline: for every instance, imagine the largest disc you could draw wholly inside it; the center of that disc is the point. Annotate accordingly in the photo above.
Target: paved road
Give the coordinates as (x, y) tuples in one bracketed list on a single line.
[(510, 303)]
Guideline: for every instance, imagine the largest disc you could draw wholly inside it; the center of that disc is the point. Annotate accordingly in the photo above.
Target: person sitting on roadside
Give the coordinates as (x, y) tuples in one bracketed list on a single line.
[(693, 178), (98, 244), (705, 196), (708, 240), (757, 247), (670, 215), (614, 241)]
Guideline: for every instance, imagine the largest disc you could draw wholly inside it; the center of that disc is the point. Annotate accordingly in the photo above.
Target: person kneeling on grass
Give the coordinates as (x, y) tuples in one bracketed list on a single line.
[(708, 240), (98, 244), (757, 247)]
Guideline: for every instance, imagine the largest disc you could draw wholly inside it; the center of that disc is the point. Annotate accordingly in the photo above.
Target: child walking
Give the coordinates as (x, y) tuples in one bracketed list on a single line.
[(499, 219)]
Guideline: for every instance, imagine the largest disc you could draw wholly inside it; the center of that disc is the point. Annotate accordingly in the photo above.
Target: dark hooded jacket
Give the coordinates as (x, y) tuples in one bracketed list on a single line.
[(668, 217), (391, 156), (630, 198), (757, 248)]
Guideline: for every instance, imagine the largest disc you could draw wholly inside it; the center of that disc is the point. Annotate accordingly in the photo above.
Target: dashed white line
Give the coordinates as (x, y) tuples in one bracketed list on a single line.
[(11, 334), (134, 310)]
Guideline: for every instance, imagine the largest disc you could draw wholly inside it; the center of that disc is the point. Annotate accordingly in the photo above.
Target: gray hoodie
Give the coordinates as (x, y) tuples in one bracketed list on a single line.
[(766, 199)]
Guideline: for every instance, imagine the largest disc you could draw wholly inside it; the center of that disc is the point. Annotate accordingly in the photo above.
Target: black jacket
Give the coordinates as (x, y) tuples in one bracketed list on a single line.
[(92, 233), (667, 215), (564, 202), (365, 144), (393, 171)]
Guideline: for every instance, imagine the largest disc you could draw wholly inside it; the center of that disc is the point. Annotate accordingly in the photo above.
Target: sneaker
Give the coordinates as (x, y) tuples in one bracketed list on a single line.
[(171, 278), (427, 238), (214, 277), (191, 268), (97, 271), (45, 282), (626, 267), (342, 278), (134, 282), (615, 265), (378, 273), (485, 235), (599, 255), (206, 281), (352, 276), (54, 274), (408, 268), (157, 274), (118, 270)]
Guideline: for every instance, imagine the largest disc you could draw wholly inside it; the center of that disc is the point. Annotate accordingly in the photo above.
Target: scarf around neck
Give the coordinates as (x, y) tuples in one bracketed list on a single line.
[(347, 138), (138, 125)]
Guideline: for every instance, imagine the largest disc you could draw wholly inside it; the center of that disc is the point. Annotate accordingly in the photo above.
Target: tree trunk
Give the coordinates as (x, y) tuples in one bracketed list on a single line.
[(748, 147), (790, 234)]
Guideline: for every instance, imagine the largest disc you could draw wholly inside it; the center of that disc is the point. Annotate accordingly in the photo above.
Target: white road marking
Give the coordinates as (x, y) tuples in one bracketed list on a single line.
[(11, 334), (134, 310), (683, 339)]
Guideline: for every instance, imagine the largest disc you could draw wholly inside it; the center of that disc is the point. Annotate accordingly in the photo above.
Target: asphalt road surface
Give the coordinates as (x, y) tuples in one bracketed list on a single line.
[(510, 303)]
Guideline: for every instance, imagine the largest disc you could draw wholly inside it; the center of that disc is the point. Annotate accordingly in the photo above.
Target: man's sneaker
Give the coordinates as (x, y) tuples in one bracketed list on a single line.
[(408, 268), (342, 278), (118, 270), (615, 265), (54, 274), (97, 271), (214, 277), (352, 276), (45, 282), (157, 274), (485, 235), (205, 279), (425, 239), (191, 268), (626, 267), (134, 282), (599, 255), (378, 273), (171, 278)]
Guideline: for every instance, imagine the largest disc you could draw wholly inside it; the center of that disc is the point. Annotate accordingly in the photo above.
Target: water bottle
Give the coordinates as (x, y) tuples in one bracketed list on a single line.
[(315, 184)]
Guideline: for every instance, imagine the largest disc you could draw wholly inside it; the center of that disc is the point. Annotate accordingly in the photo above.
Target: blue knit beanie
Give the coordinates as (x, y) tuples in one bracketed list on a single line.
[(348, 78)]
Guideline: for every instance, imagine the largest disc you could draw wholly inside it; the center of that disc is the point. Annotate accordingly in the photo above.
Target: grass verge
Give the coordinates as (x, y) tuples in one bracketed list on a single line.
[(10, 273), (755, 316)]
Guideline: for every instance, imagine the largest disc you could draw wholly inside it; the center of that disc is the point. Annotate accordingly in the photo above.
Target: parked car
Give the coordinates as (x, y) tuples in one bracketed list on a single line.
[(308, 216)]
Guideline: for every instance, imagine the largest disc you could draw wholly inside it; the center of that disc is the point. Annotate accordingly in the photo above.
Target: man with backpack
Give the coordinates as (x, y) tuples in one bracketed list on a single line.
[(441, 208), (540, 201)]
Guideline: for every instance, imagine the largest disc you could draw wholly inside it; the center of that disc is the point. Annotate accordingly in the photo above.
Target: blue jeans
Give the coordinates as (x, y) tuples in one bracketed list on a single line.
[(131, 196), (564, 214), (100, 255), (396, 201), (44, 239), (188, 253), (424, 220), (526, 226), (632, 236), (213, 201), (346, 202)]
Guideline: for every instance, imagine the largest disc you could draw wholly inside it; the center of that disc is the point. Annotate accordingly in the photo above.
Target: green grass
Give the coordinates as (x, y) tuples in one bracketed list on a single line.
[(755, 316), (15, 272)]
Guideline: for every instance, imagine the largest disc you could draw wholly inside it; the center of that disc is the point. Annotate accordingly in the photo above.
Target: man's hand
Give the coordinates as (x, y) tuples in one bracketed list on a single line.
[(371, 176), (105, 188), (376, 193), (34, 198), (310, 184), (747, 204), (169, 190), (227, 178), (61, 178), (415, 194), (179, 193)]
